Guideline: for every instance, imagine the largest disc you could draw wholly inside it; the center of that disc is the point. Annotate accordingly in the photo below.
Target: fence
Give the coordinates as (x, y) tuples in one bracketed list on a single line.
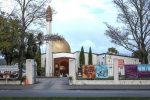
[(101, 72)]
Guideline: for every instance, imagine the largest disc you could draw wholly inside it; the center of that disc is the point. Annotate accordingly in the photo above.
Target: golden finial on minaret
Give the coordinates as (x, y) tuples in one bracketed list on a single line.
[(49, 13)]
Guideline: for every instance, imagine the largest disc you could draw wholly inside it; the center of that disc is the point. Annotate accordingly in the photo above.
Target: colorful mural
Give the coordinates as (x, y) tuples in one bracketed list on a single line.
[(137, 71), (120, 63), (92, 72), (131, 71), (143, 70), (101, 71), (144, 67), (88, 71)]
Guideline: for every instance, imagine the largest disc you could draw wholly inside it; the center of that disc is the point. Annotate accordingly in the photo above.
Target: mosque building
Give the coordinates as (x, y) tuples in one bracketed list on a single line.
[(58, 53)]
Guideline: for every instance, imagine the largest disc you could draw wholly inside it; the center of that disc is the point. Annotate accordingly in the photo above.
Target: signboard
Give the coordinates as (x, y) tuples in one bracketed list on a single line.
[(131, 71), (144, 70), (144, 67), (101, 71), (9, 72), (88, 71), (92, 72), (120, 63), (137, 71)]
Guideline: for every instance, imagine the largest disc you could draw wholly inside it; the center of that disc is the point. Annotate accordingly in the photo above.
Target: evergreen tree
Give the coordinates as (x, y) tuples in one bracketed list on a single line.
[(32, 48), (40, 70), (38, 61), (82, 57), (29, 53), (90, 57), (112, 51)]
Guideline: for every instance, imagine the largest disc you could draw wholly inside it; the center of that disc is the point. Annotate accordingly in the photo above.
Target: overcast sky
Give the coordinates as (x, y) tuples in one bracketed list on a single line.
[(81, 22)]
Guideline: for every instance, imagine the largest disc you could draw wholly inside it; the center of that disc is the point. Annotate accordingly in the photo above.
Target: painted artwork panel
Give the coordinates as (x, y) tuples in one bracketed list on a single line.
[(137, 71), (102, 71), (143, 70), (121, 63), (143, 67), (131, 71), (88, 71)]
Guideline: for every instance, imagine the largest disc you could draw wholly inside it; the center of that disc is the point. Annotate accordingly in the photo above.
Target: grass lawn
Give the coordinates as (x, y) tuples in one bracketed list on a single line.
[(74, 98)]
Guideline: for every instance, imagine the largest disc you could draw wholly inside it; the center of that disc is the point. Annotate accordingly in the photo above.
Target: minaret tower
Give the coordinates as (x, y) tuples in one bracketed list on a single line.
[(49, 59)]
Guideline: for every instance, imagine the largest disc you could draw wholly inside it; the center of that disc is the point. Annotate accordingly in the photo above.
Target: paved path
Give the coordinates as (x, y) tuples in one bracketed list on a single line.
[(51, 84), (63, 84)]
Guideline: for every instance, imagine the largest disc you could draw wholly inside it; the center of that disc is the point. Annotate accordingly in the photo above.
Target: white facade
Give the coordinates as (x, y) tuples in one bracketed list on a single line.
[(59, 55), (30, 71), (101, 59), (77, 54), (149, 58), (49, 62), (110, 60), (43, 60)]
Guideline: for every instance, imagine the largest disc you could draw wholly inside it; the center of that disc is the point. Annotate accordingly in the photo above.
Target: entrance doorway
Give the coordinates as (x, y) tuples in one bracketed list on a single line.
[(61, 67)]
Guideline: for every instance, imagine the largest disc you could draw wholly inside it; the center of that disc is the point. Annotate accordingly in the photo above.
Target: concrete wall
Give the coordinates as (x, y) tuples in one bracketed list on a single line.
[(76, 55), (9, 82), (111, 82), (30, 71), (43, 59), (116, 80)]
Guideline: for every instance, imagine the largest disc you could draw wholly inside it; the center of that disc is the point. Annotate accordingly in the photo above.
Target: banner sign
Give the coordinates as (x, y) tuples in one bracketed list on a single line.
[(144, 70), (120, 63), (144, 67), (101, 71), (88, 71), (92, 72), (131, 71), (137, 71), (9, 72)]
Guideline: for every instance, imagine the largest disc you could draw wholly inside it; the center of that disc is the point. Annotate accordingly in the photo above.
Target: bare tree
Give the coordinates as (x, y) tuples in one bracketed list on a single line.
[(134, 35), (29, 12)]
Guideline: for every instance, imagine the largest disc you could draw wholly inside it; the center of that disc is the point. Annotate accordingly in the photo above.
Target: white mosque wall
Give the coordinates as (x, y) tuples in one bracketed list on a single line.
[(59, 55), (107, 59), (110, 60), (43, 59), (76, 56), (30, 71), (72, 70), (94, 58), (97, 59)]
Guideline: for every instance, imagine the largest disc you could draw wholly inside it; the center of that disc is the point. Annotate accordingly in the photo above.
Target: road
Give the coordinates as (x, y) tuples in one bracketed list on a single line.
[(74, 93)]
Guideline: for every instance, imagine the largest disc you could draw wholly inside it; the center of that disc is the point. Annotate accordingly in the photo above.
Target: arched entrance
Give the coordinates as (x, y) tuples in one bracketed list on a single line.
[(61, 66)]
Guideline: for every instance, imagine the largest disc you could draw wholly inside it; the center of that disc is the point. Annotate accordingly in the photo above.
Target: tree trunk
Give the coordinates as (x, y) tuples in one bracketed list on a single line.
[(144, 54)]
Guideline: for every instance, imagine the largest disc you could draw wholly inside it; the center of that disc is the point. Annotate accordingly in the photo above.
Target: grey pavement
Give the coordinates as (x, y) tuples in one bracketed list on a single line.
[(51, 84), (63, 84)]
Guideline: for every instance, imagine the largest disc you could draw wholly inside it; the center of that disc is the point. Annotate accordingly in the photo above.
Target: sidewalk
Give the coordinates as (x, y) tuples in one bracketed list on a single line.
[(63, 84), (11, 87), (109, 87)]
